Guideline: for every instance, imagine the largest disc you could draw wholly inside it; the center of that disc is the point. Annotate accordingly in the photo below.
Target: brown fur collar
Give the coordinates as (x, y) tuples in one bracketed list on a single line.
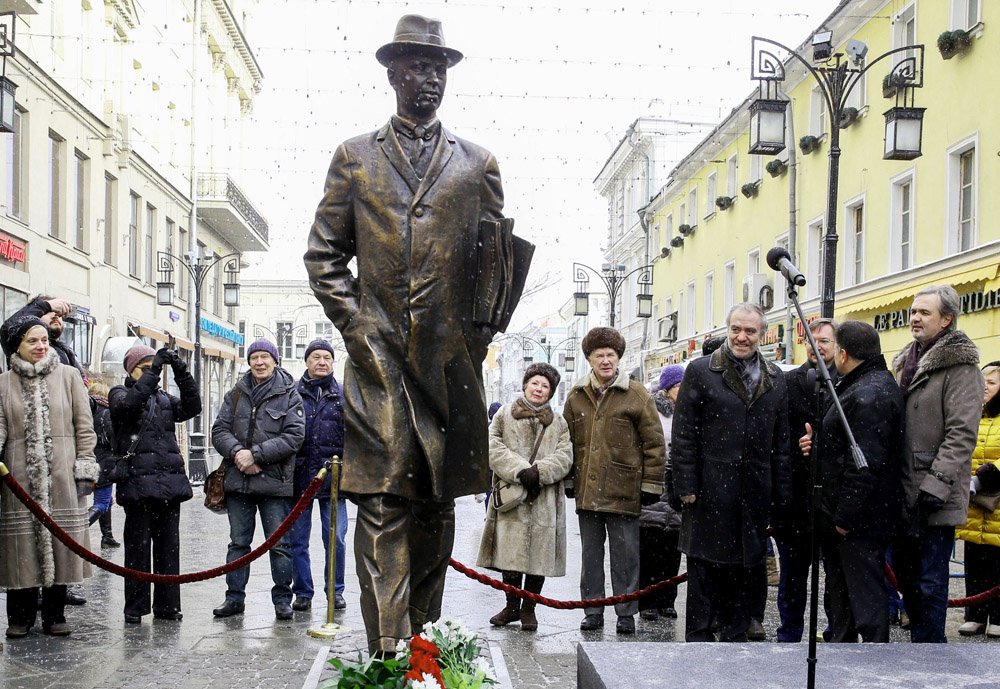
[(954, 349)]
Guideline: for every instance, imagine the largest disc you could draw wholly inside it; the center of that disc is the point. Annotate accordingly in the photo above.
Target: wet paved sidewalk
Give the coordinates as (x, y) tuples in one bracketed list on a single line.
[(255, 650)]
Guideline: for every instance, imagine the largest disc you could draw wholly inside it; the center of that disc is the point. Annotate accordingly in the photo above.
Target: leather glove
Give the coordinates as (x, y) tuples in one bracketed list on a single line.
[(989, 478), (162, 358), (646, 499), (84, 488), (177, 363), (530, 480), (570, 492), (928, 504), (675, 503)]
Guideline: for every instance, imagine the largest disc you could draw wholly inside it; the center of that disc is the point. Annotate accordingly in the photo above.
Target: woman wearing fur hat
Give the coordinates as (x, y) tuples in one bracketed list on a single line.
[(152, 483), (529, 445), (47, 435)]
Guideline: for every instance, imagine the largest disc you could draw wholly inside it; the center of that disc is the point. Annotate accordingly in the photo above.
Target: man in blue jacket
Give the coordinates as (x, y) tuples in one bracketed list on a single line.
[(324, 415)]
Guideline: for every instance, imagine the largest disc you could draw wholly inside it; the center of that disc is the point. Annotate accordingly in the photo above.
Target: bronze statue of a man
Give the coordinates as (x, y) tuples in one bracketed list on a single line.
[(406, 201)]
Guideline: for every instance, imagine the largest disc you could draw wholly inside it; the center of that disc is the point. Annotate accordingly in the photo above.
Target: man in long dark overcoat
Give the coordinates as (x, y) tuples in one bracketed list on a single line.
[(730, 462), (406, 201)]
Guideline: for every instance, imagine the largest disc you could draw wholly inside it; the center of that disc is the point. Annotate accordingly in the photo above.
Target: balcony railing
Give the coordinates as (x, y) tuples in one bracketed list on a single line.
[(218, 186)]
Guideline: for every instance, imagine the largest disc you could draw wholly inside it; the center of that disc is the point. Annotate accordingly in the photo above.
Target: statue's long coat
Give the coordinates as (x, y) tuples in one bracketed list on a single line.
[(414, 407)]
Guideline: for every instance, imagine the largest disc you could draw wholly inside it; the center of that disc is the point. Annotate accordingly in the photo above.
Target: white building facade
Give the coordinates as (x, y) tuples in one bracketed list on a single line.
[(128, 143)]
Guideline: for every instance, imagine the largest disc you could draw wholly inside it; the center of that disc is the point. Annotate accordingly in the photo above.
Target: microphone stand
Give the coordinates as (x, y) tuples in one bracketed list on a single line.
[(824, 385)]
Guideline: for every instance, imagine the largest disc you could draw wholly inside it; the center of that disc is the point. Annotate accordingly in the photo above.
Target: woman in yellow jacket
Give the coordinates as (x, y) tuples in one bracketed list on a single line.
[(981, 532)]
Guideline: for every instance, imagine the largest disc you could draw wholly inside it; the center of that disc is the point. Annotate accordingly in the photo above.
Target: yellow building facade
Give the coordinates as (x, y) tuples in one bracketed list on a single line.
[(902, 225)]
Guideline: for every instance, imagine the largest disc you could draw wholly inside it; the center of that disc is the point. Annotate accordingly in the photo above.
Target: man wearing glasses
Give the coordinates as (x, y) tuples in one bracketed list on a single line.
[(791, 526)]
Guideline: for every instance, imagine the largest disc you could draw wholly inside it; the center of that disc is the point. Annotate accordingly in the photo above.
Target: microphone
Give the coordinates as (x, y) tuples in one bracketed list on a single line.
[(779, 259)]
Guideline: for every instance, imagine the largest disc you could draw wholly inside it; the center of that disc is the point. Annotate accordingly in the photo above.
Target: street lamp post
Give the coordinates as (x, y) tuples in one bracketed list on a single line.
[(283, 330), (529, 344), (613, 277), (836, 79), (198, 267)]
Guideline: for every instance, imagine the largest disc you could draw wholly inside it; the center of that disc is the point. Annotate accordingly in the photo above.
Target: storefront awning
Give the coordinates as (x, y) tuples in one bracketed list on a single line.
[(891, 297), (160, 336), (221, 353)]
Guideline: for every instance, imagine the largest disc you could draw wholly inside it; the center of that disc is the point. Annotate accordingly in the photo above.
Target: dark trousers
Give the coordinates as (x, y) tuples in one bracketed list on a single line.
[(855, 596), (720, 592), (152, 526), (242, 510), (659, 559), (922, 571), (793, 582), (402, 549), (622, 535), (22, 605), (982, 572)]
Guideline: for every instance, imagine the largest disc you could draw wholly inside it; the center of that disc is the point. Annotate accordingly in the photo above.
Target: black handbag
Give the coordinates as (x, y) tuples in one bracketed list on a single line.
[(120, 470), (215, 488)]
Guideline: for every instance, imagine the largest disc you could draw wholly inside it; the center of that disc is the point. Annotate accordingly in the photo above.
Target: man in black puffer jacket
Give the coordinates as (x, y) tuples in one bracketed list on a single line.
[(860, 507), (151, 479), (259, 429)]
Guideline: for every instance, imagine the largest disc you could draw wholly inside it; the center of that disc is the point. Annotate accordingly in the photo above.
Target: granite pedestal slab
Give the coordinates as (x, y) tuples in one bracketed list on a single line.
[(783, 666)]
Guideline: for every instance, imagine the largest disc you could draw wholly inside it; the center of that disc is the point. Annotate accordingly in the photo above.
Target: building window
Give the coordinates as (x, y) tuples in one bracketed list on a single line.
[(283, 335), (110, 217), (689, 299), (323, 330), (693, 207), (965, 13), (711, 185), (966, 199), (15, 166), (753, 261), (682, 215), (133, 234), (729, 285), (150, 243), (904, 32), (756, 168), (858, 97), (78, 232), (168, 244), (732, 172), (56, 145), (814, 249), (901, 241), (854, 234), (12, 301), (78, 334), (709, 307), (817, 113), (668, 229), (183, 277)]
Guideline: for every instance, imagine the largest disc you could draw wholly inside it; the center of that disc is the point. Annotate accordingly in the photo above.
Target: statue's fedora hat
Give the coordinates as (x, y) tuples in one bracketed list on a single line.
[(420, 35)]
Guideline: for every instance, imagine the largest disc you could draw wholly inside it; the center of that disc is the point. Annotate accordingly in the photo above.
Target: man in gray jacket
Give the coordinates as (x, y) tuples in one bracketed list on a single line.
[(939, 373), (258, 431)]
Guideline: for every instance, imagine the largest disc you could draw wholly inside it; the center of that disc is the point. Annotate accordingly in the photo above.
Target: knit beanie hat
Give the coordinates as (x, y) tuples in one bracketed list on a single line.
[(263, 345), (319, 343), (14, 330), (671, 376), (547, 371), (599, 338), (136, 355)]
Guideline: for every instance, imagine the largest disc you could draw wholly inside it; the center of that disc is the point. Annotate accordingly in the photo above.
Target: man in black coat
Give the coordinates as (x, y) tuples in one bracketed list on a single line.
[(791, 525), (730, 463), (859, 506)]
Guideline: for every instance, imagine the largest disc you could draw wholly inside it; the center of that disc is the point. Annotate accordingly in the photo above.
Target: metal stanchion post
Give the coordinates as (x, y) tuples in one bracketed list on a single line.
[(331, 628)]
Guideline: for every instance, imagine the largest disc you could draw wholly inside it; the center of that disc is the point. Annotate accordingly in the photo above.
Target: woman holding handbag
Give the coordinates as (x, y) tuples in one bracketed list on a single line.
[(981, 532), (152, 482), (525, 531)]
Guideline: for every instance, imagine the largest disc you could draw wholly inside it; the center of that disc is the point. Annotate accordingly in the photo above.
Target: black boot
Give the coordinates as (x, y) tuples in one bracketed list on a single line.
[(532, 583), (107, 536), (93, 514), (512, 611)]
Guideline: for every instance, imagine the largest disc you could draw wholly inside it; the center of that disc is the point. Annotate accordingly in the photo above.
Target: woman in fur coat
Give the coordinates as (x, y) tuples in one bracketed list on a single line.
[(529, 540), (47, 435)]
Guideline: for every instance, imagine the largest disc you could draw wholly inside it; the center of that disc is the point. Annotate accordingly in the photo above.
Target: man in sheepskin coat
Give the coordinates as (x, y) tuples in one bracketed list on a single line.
[(618, 464), (939, 372)]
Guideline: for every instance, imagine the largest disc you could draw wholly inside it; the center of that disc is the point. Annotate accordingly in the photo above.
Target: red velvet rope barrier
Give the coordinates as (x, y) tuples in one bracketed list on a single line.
[(41, 515), (673, 581), (565, 604)]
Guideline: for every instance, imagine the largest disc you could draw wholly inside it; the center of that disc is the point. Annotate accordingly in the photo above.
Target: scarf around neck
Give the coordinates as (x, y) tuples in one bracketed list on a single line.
[(664, 404), (599, 387), (523, 409), (748, 369)]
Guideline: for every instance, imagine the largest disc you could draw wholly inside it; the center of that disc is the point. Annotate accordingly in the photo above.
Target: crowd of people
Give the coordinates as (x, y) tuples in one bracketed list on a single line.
[(63, 444), (721, 458), (712, 465)]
